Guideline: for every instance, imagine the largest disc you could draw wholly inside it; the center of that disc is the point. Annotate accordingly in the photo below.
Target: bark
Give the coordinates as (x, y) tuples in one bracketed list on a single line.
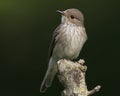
[(72, 76)]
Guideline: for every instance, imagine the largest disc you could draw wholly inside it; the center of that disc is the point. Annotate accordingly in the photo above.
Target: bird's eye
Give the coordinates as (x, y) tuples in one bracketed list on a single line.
[(72, 17)]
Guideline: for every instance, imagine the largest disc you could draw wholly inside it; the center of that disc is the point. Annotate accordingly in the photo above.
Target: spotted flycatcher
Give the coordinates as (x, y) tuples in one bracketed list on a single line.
[(67, 42)]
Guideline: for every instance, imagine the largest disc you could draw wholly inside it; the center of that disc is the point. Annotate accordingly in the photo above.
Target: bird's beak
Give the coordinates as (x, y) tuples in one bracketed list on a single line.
[(61, 12)]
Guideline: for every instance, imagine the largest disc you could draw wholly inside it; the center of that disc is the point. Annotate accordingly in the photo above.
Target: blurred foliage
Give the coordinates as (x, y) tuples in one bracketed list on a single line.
[(26, 28)]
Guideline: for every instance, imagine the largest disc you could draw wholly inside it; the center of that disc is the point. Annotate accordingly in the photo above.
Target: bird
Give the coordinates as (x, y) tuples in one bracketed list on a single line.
[(67, 42)]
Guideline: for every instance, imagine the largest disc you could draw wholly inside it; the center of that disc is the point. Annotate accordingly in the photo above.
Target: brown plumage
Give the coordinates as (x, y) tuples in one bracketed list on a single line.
[(67, 42)]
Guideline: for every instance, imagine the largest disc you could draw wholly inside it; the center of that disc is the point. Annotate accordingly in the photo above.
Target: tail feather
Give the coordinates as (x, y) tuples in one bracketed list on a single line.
[(51, 71)]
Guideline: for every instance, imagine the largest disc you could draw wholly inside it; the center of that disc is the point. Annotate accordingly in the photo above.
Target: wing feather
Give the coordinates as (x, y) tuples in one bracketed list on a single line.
[(54, 40)]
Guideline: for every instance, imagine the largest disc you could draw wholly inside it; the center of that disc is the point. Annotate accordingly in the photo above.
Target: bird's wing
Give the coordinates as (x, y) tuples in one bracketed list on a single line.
[(54, 40)]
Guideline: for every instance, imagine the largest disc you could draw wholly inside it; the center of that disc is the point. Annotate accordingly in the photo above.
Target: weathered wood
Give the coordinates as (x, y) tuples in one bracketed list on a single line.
[(72, 76)]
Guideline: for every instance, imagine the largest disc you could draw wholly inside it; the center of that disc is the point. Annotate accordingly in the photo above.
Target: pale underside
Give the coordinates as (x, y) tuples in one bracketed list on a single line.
[(70, 41)]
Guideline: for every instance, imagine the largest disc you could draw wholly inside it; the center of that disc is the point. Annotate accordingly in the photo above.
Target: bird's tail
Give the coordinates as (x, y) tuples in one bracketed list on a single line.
[(51, 71)]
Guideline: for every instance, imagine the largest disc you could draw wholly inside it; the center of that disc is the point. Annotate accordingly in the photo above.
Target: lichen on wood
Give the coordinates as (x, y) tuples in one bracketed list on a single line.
[(72, 76)]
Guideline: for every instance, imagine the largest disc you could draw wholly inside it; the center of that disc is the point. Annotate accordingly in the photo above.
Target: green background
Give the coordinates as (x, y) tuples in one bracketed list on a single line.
[(26, 28)]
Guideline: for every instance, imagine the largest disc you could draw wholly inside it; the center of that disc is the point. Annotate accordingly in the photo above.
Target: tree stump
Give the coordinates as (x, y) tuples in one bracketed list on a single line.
[(72, 76)]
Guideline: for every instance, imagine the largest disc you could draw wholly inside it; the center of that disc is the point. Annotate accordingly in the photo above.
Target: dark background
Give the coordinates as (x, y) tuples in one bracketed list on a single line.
[(26, 28)]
